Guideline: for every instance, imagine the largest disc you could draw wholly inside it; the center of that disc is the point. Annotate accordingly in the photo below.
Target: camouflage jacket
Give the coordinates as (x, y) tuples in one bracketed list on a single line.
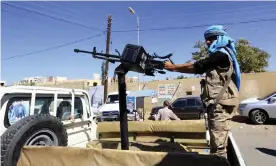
[(213, 84)]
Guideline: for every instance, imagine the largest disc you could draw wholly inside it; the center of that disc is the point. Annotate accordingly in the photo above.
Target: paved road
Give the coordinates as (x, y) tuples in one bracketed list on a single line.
[(256, 143)]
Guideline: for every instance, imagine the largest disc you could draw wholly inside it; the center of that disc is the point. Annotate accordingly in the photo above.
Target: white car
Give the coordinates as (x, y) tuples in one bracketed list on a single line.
[(259, 110)]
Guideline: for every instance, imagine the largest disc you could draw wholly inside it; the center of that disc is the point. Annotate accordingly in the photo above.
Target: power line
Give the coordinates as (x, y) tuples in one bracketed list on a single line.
[(17, 14), (212, 12), (53, 48), (56, 18), (227, 14), (60, 11), (62, 6), (197, 26)]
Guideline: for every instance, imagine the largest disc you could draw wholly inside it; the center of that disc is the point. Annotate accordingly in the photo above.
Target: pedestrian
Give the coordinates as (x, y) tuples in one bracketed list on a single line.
[(220, 88), (166, 113)]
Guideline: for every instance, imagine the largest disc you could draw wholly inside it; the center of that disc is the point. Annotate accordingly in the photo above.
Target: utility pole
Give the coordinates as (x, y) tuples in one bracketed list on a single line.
[(107, 52)]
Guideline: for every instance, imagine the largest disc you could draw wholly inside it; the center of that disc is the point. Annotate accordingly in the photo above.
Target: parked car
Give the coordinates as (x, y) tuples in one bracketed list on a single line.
[(259, 110), (189, 107)]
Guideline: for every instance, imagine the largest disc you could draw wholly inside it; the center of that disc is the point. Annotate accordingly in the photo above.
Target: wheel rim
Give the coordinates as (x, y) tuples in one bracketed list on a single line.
[(260, 117), (42, 138)]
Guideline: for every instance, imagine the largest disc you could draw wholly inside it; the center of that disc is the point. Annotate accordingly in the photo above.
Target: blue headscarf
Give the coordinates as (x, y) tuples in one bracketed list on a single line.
[(222, 41)]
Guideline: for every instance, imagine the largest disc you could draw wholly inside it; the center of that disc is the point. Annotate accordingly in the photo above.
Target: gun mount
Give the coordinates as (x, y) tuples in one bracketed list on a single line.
[(134, 58)]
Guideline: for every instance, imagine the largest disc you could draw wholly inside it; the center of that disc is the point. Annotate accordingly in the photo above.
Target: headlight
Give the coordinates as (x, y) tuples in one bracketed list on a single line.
[(97, 113), (242, 105)]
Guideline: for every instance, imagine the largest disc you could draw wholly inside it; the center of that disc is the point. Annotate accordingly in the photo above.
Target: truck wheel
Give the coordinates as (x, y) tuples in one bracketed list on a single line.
[(258, 117), (35, 130)]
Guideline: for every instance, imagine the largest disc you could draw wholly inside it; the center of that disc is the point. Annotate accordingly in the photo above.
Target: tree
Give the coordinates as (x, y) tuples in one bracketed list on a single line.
[(201, 53), (103, 72), (181, 77), (250, 58)]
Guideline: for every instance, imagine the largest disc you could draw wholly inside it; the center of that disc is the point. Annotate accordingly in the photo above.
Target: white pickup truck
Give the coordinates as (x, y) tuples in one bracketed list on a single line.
[(110, 110), (62, 117)]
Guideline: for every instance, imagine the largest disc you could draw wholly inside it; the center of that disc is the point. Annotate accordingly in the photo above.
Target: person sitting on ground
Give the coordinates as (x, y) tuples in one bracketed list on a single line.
[(165, 113)]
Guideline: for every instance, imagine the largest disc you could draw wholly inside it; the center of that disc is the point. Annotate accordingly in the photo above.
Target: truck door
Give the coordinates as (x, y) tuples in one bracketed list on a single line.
[(74, 114), (191, 110), (178, 107)]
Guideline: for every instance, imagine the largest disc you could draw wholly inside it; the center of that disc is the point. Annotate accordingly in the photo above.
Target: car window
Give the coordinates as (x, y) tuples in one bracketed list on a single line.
[(112, 98), (179, 103), (65, 105), (17, 108), (78, 108), (191, 102), (42, 103), (266, 96), (198, 103)]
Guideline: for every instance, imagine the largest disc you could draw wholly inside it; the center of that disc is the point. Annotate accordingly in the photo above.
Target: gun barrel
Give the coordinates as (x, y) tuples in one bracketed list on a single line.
[(94, 53), (83, 51)]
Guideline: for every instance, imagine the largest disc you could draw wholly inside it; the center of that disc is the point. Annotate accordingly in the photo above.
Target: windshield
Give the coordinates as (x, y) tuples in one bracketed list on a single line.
[(112, 98), (266, 96)]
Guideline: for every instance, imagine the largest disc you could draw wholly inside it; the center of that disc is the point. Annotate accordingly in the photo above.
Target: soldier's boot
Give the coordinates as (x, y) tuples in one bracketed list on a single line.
[(219, 151)]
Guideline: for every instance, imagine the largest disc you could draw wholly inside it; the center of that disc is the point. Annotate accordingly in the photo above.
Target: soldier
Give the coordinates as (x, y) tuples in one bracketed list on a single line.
[(220, 88)]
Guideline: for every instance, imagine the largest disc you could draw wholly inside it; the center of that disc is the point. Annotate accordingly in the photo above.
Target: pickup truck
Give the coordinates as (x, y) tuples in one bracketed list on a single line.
[(48, 132), (110, 110), (42, 116)]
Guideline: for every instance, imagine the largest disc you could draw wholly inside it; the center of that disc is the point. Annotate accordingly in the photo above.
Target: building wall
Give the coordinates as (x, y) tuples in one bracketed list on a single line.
[(252, 85)]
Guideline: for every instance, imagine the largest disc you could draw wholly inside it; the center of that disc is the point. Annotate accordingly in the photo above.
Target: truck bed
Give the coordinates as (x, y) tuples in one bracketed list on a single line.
[(152, 143)]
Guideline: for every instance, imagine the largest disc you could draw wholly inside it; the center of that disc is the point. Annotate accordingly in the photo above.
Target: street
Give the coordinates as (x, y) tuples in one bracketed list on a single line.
[(256, 142)]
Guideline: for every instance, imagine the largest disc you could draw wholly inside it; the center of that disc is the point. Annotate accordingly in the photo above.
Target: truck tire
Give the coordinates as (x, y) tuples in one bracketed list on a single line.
[(35, 130)]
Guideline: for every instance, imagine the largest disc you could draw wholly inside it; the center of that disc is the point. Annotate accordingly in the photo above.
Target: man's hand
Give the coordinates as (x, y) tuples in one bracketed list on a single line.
[(182, 68), (169, 66)]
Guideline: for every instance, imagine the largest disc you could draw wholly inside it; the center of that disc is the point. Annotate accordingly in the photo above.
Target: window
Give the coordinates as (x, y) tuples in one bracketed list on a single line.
[(43, 103), (198, 103), (65, 105), (266, 96), (17, 107), (190, 102), (78, 108), (179, 103), (112, 98)]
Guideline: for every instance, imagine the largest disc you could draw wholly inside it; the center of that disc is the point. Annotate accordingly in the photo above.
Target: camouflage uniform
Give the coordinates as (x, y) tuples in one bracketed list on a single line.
[(221, 111)]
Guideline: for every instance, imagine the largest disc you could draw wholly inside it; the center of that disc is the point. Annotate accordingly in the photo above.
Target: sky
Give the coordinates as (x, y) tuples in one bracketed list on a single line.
[(24, 32)]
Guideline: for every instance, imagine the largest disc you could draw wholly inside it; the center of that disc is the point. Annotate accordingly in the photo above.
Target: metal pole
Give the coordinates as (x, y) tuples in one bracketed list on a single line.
[(123, 107), (138, 34)]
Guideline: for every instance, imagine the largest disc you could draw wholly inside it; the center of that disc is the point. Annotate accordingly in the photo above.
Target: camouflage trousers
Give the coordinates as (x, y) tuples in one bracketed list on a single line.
[(219, 125)]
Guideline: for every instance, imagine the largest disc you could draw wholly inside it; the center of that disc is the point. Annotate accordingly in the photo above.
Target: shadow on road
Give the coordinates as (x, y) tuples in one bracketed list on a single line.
[(267, 151), (242, 119)]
